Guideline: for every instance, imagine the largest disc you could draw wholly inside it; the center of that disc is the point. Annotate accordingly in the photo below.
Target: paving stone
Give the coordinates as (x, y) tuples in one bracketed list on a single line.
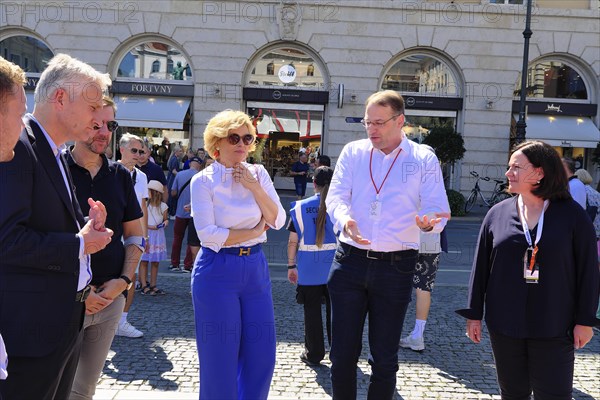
[(165, 358)]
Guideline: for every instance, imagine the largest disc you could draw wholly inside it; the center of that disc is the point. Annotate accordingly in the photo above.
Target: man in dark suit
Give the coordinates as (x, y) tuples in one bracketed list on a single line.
[(44, 240), (13, 104)]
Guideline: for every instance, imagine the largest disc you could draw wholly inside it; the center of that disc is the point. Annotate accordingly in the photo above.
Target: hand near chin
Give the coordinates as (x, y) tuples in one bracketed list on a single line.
[(243, 175)]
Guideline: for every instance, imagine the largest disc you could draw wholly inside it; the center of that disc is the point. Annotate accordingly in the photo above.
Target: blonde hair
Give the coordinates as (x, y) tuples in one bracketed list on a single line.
[(221, 124), (155, 198), (11, 75), (584, 176), (64, 71)]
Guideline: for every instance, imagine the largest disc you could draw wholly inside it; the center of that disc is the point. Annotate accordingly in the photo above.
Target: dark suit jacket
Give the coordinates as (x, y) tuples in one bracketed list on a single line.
[(39, 249)]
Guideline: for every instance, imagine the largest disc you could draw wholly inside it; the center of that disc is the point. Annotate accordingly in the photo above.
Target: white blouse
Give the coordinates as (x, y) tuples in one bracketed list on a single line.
[(220, 204)]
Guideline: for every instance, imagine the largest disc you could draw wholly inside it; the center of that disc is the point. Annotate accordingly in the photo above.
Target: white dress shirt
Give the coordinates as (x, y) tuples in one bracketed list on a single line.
[(140, 185), (414, 187), (577, 190), (3, 360), (220, 204), (85, 271)]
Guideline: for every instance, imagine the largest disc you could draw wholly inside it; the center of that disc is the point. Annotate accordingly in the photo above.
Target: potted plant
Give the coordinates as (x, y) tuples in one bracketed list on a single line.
[(449, 147)]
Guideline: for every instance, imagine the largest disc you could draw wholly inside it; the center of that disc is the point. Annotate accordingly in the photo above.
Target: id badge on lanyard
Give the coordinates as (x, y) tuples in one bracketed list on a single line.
[(531, 266)]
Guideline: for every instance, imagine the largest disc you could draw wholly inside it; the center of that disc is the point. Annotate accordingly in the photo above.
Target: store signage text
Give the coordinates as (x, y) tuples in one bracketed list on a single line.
[(146, 88), (553, 108)]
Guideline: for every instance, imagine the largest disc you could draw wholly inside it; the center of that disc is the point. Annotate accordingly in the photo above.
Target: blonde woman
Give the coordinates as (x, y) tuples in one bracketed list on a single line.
[(233, 204)]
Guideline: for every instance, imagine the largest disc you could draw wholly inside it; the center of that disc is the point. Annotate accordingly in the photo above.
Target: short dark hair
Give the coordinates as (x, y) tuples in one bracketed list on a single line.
[(554, 185), (324, 160), (389, 98)]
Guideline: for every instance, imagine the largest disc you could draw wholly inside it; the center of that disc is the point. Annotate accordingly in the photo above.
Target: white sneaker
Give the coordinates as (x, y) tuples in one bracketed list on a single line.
[(128, 330), (416, 344)]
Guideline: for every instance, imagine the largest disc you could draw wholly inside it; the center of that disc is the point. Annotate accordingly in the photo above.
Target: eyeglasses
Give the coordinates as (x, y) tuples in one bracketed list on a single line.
[(368, 124), (137, 151), (235, 139), (110, 125)]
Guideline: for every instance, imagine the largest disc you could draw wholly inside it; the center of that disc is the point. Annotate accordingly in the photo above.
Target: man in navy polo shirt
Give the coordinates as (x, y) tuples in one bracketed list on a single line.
[(152, 170), (114, 267)]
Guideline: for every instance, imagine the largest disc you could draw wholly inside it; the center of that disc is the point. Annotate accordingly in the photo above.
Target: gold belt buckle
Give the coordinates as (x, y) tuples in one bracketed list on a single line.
[(245, 252)]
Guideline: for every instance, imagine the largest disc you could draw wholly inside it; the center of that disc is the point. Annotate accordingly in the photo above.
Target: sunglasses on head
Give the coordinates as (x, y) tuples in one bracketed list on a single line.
[(234, 139), (136, 151)]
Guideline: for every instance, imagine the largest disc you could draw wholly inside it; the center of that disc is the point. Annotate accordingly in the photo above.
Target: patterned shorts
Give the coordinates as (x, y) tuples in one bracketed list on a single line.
[(425, 271)]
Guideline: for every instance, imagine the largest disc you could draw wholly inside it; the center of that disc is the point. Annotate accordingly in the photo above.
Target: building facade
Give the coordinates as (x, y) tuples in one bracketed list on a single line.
[(303, 69)]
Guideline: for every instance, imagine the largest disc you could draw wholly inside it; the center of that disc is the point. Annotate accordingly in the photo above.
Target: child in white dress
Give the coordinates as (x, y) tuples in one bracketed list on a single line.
[(158, 220)]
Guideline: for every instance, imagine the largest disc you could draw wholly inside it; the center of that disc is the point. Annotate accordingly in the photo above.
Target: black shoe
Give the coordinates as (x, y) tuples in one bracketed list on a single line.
[(308, 362)]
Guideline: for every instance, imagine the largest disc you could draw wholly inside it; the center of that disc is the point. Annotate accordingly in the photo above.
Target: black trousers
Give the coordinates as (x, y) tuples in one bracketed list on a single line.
[(312, 298), (544, 366), (48, 377)]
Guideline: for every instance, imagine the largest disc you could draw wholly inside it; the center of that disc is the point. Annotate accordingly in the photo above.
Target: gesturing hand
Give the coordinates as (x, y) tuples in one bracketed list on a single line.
[(351, 229), (426, 223), (97, 213)]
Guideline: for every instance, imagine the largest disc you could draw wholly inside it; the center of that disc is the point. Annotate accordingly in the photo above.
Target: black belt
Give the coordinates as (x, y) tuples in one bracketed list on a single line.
[(242, 251), (83, 294), (379, 255)]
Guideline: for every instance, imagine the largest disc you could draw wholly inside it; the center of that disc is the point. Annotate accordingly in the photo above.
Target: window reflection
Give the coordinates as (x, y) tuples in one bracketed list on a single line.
[(31, 54), (423, 74), (553, 79), (155, 60)]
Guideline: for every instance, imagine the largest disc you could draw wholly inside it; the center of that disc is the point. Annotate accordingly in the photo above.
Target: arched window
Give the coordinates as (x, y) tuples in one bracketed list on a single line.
[(554, 79), (27, 52), (421, 74), (286, 66), (156, 66), (144, 61)]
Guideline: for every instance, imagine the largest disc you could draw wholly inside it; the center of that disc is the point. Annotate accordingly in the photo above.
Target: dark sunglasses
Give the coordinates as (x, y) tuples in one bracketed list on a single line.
[(111, 125), (235, 139), (136, 151)]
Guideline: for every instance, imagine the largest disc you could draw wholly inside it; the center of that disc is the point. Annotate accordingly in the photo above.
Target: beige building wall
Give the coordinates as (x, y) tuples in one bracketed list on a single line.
[(355, 41)]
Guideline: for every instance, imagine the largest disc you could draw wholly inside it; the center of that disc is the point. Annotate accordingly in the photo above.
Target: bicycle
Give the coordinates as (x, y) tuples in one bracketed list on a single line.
[(497, 196)]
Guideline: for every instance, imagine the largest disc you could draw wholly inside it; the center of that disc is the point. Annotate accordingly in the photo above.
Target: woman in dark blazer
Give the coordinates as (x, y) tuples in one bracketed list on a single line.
[(536, 276)]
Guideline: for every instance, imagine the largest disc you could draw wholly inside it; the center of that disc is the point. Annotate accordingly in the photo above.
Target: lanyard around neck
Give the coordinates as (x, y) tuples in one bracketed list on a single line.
[(378, 189), (538, 234)]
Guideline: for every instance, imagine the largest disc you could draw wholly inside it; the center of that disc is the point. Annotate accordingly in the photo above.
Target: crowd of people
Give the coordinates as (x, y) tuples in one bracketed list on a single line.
[(370, 235)]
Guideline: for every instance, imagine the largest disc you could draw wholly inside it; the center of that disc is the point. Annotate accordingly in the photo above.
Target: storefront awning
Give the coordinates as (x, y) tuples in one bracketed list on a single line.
[(151, 112), (562, 131)]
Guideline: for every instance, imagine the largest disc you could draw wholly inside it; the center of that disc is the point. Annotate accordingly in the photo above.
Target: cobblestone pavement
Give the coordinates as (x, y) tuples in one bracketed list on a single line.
[(163, 364)]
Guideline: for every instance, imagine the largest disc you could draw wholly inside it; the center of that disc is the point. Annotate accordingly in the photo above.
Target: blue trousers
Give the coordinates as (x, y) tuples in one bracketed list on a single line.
[(235, 324), (359, 286)]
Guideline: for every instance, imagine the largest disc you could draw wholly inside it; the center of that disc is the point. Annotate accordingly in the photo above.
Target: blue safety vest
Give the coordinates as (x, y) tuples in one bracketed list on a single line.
[(313, 262)]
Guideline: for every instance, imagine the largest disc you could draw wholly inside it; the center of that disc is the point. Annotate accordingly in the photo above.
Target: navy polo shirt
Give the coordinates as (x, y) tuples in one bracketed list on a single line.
[(154, 172), (300, 167), (113, 186)]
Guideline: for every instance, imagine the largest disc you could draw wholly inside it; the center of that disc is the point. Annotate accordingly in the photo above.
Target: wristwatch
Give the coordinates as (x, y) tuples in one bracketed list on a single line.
[(127, 281)]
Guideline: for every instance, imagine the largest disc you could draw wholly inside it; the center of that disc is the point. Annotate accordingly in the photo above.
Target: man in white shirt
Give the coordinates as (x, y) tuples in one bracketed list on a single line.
[(576, 187), (131, 148), (385, 189)]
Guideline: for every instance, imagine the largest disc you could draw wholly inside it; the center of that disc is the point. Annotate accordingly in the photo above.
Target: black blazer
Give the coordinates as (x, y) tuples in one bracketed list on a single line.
[(39, 249)]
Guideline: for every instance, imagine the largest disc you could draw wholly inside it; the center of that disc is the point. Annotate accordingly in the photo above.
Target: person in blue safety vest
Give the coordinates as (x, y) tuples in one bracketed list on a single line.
[(311, 247)]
